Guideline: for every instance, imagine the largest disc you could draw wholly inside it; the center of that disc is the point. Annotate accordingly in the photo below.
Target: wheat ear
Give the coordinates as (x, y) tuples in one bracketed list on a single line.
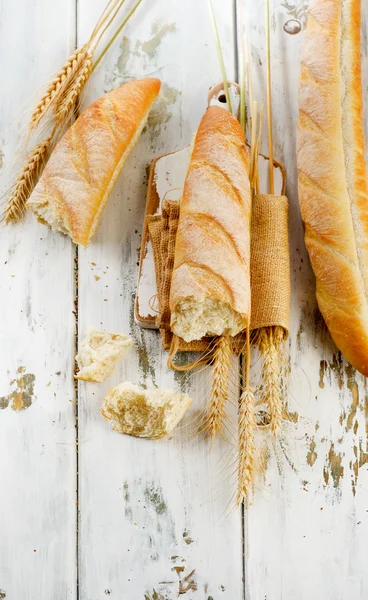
[(247, 448), (268, 342), (68, 102), (220, 386), (26, 181), (60, 85)]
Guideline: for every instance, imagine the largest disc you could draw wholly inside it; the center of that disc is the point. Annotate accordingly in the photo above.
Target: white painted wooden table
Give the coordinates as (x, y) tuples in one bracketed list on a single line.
[(134, 519)]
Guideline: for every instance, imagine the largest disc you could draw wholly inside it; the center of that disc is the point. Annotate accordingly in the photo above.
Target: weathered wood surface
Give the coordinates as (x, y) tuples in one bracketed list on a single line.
[(151, 513), (307, 528), (37, 421)]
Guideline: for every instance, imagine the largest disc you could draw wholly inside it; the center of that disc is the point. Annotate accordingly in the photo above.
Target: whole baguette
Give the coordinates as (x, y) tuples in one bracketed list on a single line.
[(333, 186), (81, 172), (210, 289)]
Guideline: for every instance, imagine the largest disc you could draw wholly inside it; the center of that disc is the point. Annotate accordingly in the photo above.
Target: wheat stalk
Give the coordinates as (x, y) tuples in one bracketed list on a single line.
[(268, 343), (220, 386), (26, 181), (247, 426), (59, 103), (221, 57), (60, 85)]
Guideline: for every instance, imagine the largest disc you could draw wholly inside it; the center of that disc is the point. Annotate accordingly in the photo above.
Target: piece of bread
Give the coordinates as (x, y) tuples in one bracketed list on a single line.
[(333, 186), (99, 354), (210, 289), (144, 413), (81, 172)]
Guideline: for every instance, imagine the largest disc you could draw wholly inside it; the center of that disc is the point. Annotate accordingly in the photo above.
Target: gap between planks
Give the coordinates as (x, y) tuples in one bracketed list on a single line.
[(76, 381)]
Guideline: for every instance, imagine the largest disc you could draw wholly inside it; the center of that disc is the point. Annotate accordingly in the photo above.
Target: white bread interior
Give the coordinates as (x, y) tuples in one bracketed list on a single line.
[(144, 413), (99, 354), (195, 318)]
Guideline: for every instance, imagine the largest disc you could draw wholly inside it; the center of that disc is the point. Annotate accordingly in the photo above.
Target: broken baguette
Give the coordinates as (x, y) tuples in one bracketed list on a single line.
[(210, 289), (81, 172)]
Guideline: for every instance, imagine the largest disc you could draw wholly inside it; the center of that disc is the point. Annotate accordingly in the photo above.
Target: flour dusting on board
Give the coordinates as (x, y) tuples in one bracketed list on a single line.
[(170, 175)]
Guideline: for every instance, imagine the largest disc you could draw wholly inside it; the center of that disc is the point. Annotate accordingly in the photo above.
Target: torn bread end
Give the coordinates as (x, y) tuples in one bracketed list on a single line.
[(194, 319)]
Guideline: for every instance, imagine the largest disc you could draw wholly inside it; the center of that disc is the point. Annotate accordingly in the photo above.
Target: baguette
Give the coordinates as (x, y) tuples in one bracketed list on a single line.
[(80, 174), (144, 413), (333, 188), (210, 288)]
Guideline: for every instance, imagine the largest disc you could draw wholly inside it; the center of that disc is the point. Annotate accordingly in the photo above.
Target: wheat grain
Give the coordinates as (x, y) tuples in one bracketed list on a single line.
[(60, 85), (26, 181), (68, 103), (246, 429), (220, 386), (269, 347)]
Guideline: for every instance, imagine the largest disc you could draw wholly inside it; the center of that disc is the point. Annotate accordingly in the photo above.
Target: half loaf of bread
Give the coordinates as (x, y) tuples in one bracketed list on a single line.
[(81, 172), (333, 187), (210, 289)]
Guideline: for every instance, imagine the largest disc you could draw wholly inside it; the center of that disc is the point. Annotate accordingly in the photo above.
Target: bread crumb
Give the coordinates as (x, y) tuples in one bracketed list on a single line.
[(99, 353), (144, 413)]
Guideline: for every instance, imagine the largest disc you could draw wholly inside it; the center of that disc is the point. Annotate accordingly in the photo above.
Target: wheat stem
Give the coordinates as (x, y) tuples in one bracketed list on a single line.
[(220, 386), (243, 109), (269, 98), (221, 57), (103, 18), (247, 427), (26, 181), (107, 47), (109, 23)]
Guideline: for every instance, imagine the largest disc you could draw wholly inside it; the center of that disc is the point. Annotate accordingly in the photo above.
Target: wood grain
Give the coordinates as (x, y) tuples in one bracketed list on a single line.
[(37, 420)]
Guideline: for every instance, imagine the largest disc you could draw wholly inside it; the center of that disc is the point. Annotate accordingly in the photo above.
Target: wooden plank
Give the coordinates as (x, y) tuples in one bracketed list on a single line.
[(151, 513), (37, 422), (307, 526)]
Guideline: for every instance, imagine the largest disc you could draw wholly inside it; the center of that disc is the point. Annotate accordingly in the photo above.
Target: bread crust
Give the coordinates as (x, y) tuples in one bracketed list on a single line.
[(212, 253), (81, 172), (333, 185)]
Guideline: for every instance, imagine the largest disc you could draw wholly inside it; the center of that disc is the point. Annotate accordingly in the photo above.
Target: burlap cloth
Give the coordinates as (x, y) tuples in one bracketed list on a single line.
[(270, 266)]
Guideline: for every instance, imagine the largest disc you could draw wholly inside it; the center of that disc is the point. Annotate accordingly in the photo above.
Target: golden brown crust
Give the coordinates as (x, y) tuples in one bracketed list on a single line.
[(333, 187), (212, 254), (87, 162)]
